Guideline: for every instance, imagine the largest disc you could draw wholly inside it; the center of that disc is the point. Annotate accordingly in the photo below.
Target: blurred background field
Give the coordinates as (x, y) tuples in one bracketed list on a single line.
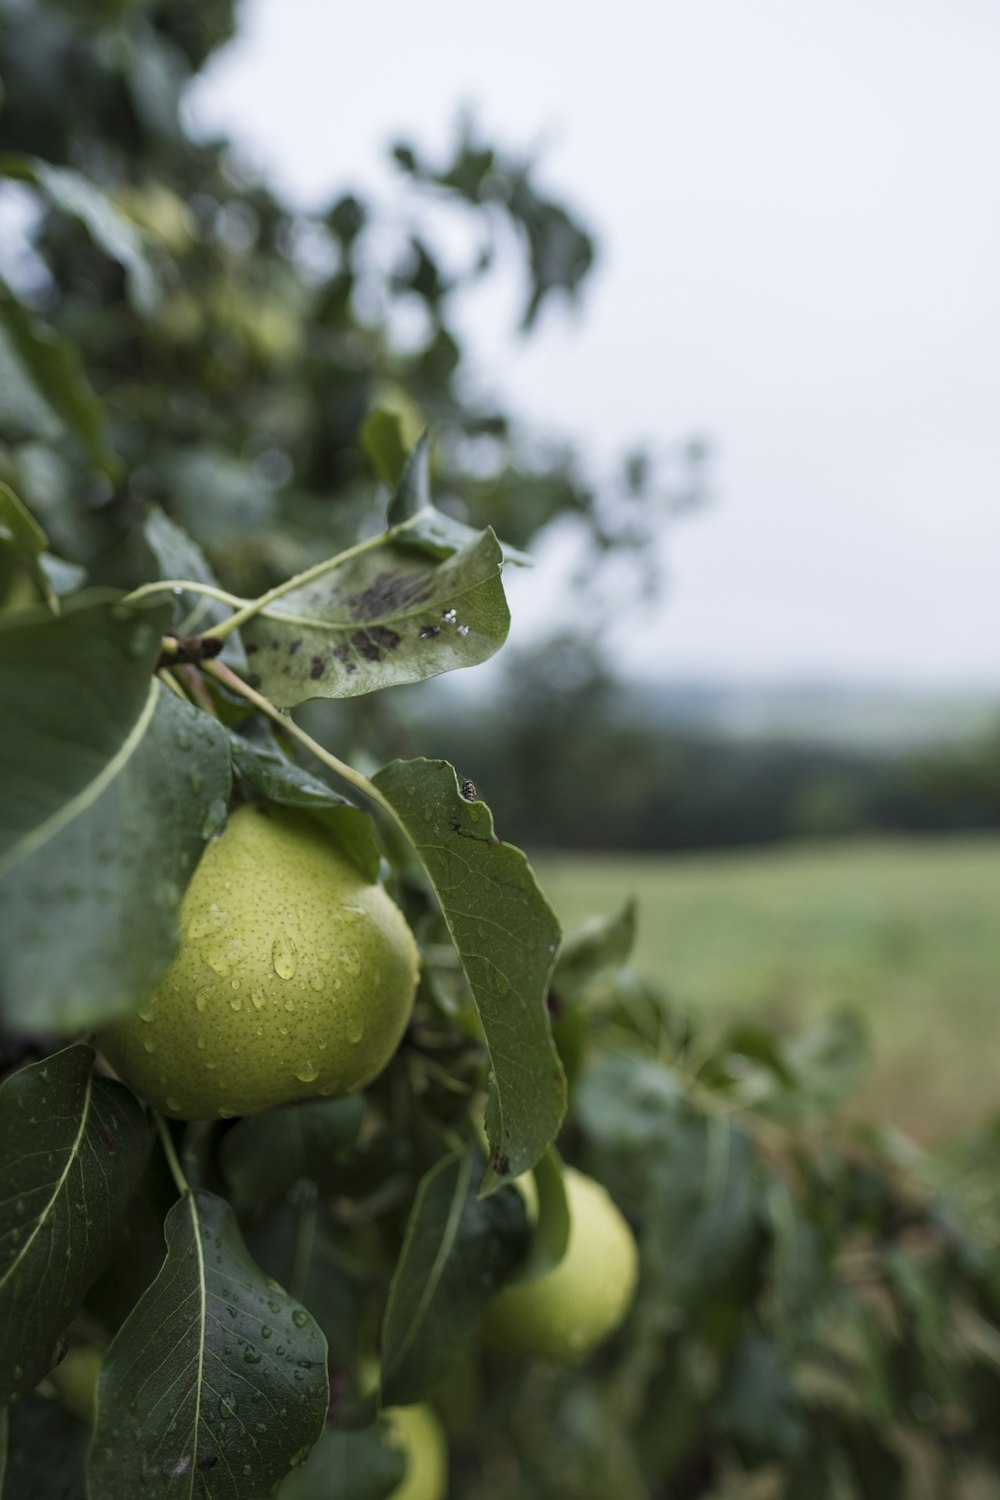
[(903, 931)]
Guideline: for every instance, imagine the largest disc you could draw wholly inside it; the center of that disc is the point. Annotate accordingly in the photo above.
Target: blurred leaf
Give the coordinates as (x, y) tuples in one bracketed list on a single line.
[(263, 1155), (506, 936), (20, 530), (456, 1253), (801, 1274), (382, 440), (112, 787), (757, 1409), (177, 556), (217, 1379), (349, 1465), (72, 1149), (878, 1471), (691, 1179), (53, 367), (218, 497), (601, 944), (72, 193), (47, 1450), (381, 617), (63, 577), (264, 767), (828, 1061), (550, 1234)]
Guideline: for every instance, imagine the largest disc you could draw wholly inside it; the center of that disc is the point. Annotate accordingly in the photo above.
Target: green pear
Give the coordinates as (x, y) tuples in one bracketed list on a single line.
[(417, 1432), (564, 1314), (295, 977)]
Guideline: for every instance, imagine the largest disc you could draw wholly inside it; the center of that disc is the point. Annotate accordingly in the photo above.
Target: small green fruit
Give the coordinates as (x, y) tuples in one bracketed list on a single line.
[(295, 977), (417, 1433), (566, 1313), (75, 1379)]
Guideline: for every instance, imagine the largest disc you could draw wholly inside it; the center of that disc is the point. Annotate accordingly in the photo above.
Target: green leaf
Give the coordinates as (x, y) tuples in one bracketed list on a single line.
[(111, 230), (424, 528), (602, 944), (216, 1383), (349, 1465), (72, 1149), (178, 556), (265, 768), (457, 1251), (264, 1155), (382, 440), (112, 785), (378, 617), (506, 936), (551, 1231), (53, 368)]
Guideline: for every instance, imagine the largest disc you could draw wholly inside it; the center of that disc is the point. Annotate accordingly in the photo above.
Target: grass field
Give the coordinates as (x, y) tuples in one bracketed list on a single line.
[(906, 932)]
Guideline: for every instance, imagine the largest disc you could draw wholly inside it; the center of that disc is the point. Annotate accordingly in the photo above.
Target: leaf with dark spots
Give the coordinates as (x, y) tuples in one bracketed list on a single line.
[(364, 620)]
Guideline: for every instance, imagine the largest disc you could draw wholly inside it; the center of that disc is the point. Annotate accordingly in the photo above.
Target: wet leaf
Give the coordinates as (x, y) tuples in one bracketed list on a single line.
[(112, 787), (506, 936), (72, 1149), (377, 618), (216, 1383)]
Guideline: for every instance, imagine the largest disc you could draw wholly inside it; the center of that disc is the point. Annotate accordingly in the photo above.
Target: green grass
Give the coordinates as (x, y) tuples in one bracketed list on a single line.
[(904, 931)]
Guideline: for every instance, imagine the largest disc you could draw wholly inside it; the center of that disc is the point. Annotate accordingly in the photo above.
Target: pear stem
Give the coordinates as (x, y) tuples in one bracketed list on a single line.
[(340, 768), (176, 1170)]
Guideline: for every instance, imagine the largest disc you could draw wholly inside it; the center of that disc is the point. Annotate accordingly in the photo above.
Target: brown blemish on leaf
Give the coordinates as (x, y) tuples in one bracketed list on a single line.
[(388, 593), (428, 632), (384, 637), (251, 647), (501, 1163), (294, 647), (364, 643), (317, 668)]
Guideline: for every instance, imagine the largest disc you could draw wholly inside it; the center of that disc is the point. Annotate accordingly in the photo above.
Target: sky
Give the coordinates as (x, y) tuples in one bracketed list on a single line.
[(798, 209)]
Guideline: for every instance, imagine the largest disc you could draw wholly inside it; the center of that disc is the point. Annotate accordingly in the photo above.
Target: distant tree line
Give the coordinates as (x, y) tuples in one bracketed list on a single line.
[(574, 767)]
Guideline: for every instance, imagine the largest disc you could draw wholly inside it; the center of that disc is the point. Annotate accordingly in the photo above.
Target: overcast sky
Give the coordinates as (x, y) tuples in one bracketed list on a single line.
[(798, 207)]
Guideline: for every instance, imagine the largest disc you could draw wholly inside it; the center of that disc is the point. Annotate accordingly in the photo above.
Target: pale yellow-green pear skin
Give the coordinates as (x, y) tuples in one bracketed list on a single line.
[(564, 1314), (295, 977), (417, 1432), (75, 1379)]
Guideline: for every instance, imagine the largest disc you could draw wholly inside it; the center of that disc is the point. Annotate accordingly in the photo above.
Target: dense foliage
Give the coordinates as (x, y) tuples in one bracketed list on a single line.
[(272, 1297)]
